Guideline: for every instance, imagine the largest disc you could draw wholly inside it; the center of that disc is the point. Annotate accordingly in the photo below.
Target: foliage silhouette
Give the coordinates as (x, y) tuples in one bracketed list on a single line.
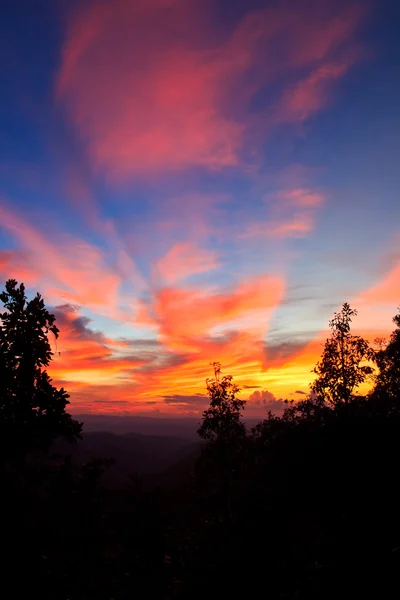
[(222, 420), (342, 368), (225, 438), (311, 502), (32, 410), (387, 359)]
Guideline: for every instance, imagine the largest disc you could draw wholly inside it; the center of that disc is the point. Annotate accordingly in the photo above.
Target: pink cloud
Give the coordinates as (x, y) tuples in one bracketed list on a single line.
[(302, 197), (154, 86), (184, 260), (299, 226), (310, 94), (153, 99), (292, 215), (15, 265), (69, 269)]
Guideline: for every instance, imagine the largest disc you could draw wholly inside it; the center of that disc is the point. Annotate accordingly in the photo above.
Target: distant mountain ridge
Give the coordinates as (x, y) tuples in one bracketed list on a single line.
[(151, 457), (160, 450), (184, 427)]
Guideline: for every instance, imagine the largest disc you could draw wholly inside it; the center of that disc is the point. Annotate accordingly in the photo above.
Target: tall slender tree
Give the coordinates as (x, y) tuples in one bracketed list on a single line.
[(222, 419), (344, 364)]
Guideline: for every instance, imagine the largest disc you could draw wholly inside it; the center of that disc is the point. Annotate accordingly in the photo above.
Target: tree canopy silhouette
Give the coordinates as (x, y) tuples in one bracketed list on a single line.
[(388, 362), (308, 498), (32, 410), (342, 368), (222, 419)]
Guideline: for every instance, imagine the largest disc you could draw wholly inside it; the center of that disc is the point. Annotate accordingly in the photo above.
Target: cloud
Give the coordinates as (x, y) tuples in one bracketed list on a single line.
[(187, 323), (250, 387), (291, 215), (155, 86), (104, 399), (386, 291), (299, 226), (377, 305), (154, 94), (282, 350), (14, 264), (182, 316), (302, 197), (312, 93), (195, 400), (92, 365), (145, 344), (267, 400), (69, 269), (204, 325), (69, 319), (184, 260), (301, 393), (262, 397)]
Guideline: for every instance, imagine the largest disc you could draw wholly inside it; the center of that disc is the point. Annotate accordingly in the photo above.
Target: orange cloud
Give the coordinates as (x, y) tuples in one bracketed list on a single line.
[(200, 326), (378, 304), (154, 85), (387, 291), (85, 359), (182, 316)]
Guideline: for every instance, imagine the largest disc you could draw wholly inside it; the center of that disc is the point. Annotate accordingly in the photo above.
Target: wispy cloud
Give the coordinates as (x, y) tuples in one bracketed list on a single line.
[(151, 87), (291, 214), (184, 260), (69, 268), (183, 316)]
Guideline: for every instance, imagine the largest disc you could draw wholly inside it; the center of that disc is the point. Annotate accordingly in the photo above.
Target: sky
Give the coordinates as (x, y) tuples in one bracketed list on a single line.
[(189, 181)]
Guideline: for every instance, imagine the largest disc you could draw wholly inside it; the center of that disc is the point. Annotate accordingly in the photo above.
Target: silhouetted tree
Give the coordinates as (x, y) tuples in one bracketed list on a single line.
[(222, 420), (387, 359), (342, 368), (32, 410)]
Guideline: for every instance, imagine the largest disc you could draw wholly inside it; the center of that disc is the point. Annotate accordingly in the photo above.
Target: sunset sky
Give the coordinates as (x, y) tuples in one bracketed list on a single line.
[(188, 181)]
